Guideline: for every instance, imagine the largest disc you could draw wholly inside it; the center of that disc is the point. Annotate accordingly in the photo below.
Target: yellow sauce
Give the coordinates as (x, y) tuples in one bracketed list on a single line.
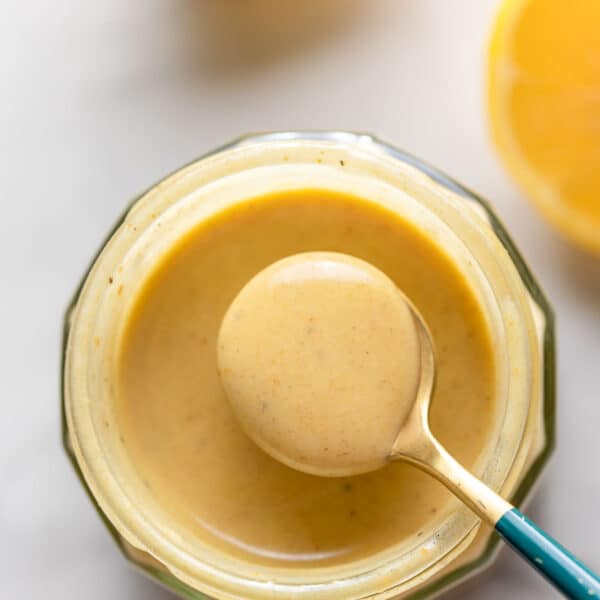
[(319, 356), (186, 443)]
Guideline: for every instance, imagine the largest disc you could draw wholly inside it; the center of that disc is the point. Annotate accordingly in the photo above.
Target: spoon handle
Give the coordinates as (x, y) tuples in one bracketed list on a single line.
[(552, 560), (545, 554)]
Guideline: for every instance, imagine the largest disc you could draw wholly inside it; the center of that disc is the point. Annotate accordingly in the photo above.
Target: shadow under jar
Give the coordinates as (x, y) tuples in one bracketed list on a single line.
[(214, 516)]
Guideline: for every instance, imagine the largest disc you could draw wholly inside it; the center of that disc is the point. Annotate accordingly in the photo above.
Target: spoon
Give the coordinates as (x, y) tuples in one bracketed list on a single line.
[(342, 290), (416, 444)]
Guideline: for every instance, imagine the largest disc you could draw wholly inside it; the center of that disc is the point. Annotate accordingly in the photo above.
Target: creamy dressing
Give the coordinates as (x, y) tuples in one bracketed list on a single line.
[(319, 357), (179, 429)]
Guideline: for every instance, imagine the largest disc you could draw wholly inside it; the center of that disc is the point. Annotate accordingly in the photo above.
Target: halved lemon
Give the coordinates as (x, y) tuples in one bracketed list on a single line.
[(544, 105)]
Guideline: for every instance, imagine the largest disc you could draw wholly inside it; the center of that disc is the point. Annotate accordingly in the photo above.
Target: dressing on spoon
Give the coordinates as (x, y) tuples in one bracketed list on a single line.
[(331, 370), (319, 357)]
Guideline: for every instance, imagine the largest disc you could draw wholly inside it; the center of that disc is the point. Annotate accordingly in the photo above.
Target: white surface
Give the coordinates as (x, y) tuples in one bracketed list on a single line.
[(100, 99)]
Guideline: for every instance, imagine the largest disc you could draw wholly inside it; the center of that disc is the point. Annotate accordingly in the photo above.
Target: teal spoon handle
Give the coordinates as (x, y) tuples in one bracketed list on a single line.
[(545, 554), (553, 561), (415, 443)]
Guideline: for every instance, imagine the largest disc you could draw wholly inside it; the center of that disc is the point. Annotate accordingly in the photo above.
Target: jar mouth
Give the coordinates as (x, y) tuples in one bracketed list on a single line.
[(257, 165)]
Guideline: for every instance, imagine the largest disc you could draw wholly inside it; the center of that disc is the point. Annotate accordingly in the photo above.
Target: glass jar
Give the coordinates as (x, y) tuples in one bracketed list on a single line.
[(519, 319)]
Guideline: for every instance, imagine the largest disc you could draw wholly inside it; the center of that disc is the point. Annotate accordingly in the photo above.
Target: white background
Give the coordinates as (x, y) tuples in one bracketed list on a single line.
[(100, 99)]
